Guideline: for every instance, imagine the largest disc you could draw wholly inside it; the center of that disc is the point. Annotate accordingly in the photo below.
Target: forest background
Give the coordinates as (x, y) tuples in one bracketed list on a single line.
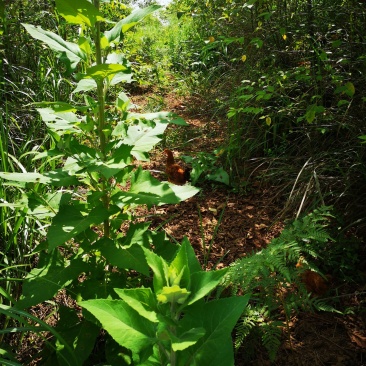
[(274, 92)]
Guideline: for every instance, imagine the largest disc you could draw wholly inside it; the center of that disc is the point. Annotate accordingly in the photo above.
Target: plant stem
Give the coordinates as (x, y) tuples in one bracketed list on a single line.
[(101, 117)]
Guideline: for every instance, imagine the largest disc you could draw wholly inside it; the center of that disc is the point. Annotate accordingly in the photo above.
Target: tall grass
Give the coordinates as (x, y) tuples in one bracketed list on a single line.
[(28, 75)]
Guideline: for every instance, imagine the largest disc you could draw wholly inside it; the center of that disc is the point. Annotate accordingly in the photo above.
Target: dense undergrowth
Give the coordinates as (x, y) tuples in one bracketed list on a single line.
[(283, 82)]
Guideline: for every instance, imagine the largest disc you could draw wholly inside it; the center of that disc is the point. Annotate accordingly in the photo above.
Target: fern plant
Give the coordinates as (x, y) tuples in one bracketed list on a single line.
[(273, 279)]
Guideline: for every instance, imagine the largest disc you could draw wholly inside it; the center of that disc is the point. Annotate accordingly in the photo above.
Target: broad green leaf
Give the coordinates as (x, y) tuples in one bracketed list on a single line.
[(71, 221), (125, 24), (142, 300), (160, 269), (202, 283), (56, 178), (163, 246), (119, 160), (163, 117), (173, 294), (120, 77), (85, 45), (60, 122), (363, 138), (117, 58), (179, 273), (257, 42), (123, 102), (218, 318), (104, 71), (187, 339), (131, 257), (43, 206), (79, 12), (350, 89), (127, 327), (136, 234), (63, 48), (85, 85), (147, 132), (81, 335), (342, 102), (49, 154), (192, 261), (312, 111), (146, 190), (25, 177), (99, 287), (219, 175), (59, 107), (60, 178), (53, 273), (143, 138)]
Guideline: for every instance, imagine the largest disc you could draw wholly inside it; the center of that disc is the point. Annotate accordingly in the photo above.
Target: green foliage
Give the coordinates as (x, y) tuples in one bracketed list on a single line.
[(291, 83), (205, 167), (89, 180), (273, 279), (27, 322), (171, 323)]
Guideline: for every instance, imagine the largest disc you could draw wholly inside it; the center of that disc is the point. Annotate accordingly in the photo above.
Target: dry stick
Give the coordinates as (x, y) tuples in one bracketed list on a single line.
[(297, 178), (303, 199)]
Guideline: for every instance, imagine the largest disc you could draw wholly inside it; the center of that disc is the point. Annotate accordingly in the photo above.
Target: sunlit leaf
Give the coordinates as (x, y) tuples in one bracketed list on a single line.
[(127, 327), (130, 257), (63, 48), (218, 318), (172, 294), (79, 12), (127, 23), (85, 85), (56, 178), (141, 299), (147, 190), (103, 71), (187, 339)]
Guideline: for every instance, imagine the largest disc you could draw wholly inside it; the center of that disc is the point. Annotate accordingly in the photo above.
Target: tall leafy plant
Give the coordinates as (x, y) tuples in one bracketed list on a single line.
[(90, 175), (172, 324)]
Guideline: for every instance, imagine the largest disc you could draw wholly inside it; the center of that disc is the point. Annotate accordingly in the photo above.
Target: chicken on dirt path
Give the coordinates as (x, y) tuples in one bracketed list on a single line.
[(176, 174)]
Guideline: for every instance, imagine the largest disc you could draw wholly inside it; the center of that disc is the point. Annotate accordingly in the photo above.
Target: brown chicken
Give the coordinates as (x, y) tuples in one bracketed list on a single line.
[(314, 282), (176, 174)]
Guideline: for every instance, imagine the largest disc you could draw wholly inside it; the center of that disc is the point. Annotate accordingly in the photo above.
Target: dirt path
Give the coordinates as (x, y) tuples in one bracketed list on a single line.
[(236, 224), (224, 226)]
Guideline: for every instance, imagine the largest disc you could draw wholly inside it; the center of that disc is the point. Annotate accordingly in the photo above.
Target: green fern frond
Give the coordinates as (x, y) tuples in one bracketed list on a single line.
[(271, 272), (271, 338)]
